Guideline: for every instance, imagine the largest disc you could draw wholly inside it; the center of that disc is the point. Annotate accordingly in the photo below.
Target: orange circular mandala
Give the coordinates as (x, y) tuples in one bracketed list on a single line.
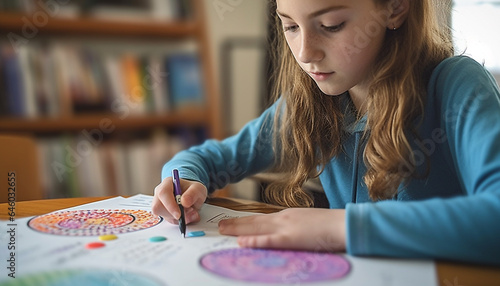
[(94, 222)]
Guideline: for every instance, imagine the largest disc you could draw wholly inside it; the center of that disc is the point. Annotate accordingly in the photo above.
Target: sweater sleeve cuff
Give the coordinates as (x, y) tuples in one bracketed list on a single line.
[(184, 173), (357, 229)]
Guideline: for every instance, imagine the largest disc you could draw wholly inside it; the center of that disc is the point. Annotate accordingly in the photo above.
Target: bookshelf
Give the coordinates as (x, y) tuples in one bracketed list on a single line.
[(66, 125), (99, 27), (187, 116)]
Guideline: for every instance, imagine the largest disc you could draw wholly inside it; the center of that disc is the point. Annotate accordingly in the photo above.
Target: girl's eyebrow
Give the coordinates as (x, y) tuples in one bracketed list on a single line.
[(315, 14)]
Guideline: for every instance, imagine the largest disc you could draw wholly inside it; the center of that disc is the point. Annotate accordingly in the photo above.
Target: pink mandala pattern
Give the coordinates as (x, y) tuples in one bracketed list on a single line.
[(94, 222), (275, 266)]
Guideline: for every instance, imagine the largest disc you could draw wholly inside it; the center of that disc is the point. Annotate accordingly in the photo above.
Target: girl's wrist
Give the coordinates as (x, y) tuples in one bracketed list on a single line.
[(335, 231)]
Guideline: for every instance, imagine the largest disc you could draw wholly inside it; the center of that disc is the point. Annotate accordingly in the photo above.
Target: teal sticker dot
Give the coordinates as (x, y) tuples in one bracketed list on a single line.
[(157, 238), (196, 233)]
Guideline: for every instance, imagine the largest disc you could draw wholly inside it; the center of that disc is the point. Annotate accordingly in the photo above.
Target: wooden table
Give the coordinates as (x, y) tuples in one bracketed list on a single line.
[(449, 273)]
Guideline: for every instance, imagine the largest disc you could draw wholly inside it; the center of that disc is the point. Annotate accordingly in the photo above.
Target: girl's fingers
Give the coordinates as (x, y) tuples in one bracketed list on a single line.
[(249, 225), (170, 219), (306, 229), (192, 199), (194, 195), (164, 203), (192, 215), (263, 241)]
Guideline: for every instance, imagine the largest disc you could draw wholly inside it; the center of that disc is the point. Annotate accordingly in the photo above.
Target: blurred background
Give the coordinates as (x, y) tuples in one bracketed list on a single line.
[(110, 90)]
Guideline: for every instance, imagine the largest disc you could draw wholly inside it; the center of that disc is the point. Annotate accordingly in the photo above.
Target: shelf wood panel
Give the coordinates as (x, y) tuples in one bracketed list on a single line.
[(186, 117), (15, 22)]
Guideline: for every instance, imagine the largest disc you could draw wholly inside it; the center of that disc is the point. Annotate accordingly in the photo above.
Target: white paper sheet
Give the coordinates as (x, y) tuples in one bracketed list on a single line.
[(176, 261)]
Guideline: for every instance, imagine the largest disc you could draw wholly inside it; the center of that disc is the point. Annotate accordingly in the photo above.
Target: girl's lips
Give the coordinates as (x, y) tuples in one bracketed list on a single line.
[(319, 76)]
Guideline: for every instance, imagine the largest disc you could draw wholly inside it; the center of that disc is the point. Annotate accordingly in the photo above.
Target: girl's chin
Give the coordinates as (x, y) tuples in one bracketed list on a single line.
[(331, 92)]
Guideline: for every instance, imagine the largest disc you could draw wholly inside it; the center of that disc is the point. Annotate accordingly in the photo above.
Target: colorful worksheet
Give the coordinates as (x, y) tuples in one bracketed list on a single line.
[(119, 241)]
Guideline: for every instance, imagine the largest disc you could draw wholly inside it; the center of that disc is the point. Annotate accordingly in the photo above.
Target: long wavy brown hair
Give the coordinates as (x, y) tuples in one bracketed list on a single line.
[(311, 123)]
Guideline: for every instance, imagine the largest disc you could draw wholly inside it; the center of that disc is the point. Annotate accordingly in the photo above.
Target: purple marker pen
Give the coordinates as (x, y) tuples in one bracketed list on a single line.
[(177, 194)]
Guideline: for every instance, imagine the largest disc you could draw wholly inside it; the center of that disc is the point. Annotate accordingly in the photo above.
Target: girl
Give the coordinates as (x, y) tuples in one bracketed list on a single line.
[(403, 136)]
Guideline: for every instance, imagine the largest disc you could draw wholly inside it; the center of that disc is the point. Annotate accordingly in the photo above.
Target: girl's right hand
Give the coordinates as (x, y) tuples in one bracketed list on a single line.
[(193, 196)]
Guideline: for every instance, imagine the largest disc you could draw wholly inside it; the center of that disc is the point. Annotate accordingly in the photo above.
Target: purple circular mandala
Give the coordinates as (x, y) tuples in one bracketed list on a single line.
[(275, 266)]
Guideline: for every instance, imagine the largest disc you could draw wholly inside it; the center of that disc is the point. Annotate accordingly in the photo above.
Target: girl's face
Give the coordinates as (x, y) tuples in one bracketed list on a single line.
[(335, 41)]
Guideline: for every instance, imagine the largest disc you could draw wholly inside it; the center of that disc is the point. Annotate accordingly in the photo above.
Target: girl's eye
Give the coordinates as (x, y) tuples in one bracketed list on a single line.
[(291, 28), (334, 28)]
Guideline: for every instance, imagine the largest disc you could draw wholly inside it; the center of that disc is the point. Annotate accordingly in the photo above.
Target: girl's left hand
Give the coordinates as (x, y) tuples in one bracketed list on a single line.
[(295, 228)]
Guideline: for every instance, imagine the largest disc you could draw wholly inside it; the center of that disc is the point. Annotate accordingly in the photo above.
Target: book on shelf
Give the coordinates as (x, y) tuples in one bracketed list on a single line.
[(134, 90), (156, 10), (185, 80), (157, 81), (3, 93), (14, 86)]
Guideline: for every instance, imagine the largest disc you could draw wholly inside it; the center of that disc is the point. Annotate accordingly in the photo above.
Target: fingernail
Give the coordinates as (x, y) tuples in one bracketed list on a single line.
[(193, 216), (241, 240), (221, 226), (176, 215)]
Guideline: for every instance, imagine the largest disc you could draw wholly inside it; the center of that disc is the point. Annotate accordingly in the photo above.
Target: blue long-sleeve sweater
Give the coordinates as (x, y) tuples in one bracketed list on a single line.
[(452, 213)]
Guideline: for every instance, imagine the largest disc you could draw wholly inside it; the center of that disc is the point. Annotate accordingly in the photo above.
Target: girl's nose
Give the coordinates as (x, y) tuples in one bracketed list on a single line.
[(310, 49)]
